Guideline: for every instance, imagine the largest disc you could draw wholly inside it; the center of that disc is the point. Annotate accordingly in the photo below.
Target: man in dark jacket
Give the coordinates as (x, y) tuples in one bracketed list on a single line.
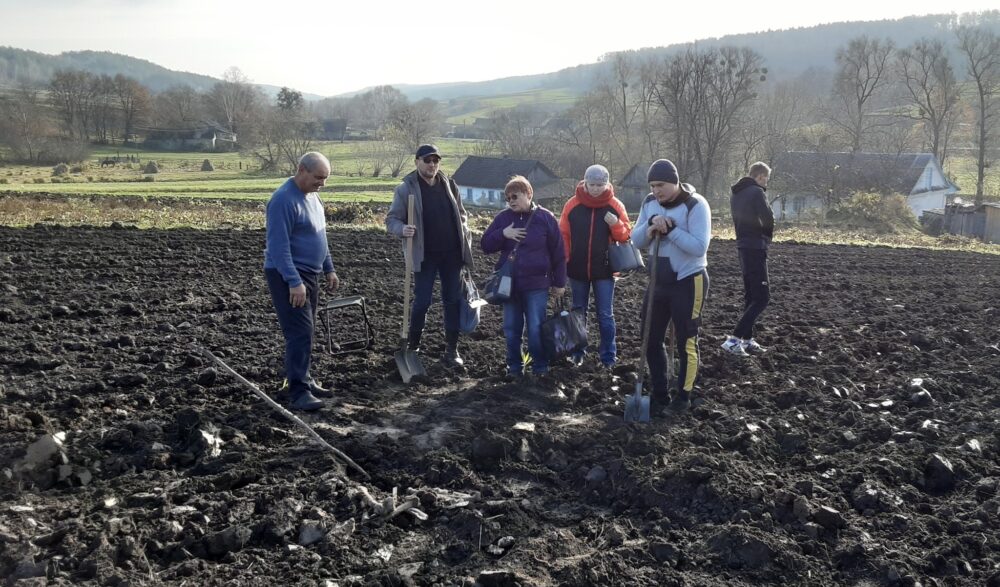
[(441, 245), (754, 223)]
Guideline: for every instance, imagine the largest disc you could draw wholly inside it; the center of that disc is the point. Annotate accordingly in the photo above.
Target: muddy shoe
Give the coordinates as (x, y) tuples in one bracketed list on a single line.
[(658, 407), (452, 359), (575, 360), (752, 347), (305, 401), (681, 403), (318, 391)]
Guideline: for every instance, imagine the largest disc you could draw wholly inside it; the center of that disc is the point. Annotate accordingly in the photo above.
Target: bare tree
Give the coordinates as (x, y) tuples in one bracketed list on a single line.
[(103, 108), (704, 98), (932, 89), (178, 107), (283, 133), (23, 122), (981, 49), (680, 104), (235, 100), (134, 103), (413, 124), (516, 133), (861, 83), (70, 94)]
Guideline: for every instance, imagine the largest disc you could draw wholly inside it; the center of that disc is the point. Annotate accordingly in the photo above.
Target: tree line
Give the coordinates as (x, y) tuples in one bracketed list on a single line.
[(712, 110), (56, 122)]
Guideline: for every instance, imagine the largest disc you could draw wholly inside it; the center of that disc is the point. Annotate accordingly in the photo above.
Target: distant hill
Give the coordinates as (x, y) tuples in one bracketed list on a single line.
[(787, 53), (17, 65)]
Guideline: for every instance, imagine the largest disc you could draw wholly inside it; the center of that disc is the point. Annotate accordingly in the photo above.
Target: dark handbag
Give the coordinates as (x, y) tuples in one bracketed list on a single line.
[(500, 286), (468, 309), (564, 333), (625, 257)]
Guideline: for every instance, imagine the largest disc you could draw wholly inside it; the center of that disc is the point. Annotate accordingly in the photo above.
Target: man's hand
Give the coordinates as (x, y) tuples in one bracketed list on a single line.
[(660, 224), (297, 295), (611, 218), (515, 234), (557, 292), (332, 281), (409, 230)]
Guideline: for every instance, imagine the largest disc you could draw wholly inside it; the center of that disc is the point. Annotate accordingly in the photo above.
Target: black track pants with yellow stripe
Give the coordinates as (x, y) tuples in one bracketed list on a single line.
[(683, 302)]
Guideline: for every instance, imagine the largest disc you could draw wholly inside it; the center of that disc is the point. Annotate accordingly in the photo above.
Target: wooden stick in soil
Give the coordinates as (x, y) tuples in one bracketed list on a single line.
[(286, 413)]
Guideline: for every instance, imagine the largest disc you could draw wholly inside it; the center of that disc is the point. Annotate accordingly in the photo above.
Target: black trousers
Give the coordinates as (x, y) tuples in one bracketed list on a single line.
[(756, 292), (296, 325), (681, 301)]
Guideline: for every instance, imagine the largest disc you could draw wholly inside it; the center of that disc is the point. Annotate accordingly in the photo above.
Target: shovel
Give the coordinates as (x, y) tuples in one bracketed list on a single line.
[(406, 360), (637, 405)]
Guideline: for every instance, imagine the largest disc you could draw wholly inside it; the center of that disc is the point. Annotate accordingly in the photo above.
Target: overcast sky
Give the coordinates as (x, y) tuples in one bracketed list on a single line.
[(328, 47)]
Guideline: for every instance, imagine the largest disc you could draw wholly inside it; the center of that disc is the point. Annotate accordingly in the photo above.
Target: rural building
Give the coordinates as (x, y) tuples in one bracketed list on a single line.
[(633, 187), (961, 219), (800, 180), (189, 139), (481, 179), (331, 129)]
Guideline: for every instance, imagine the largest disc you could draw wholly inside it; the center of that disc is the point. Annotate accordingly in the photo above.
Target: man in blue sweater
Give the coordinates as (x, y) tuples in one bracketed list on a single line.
[(754, 223), (296, 257), (683, 220)]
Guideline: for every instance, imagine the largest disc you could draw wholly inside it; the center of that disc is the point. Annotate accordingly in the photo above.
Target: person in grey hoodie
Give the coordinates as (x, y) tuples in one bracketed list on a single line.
[(754, 223), (441, 245), (682, 219)]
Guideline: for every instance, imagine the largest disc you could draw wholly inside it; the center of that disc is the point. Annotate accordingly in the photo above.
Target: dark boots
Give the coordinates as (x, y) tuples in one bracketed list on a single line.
[(413, 341), (451, 357)]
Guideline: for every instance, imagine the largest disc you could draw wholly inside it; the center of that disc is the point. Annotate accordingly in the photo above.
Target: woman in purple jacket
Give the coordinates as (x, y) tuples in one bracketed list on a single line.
[(539, 268)]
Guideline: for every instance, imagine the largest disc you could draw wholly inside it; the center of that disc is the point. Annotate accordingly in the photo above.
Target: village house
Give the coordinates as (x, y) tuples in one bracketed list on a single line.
[(802, 181), (191, 139), (481, 179)]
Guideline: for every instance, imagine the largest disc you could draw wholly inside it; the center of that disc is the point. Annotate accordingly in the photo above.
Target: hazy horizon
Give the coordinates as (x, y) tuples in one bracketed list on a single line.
[(307, 48)]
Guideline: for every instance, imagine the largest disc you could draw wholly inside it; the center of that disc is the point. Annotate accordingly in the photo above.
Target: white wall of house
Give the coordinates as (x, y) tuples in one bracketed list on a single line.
[(927, 201), (479, 196)]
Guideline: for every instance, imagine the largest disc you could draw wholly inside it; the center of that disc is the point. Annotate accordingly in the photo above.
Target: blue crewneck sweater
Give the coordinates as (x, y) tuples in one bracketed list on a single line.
[(296, 234)]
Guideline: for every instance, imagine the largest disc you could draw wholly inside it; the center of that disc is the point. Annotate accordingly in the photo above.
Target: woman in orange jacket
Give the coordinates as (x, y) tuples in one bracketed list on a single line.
[(589, 222)]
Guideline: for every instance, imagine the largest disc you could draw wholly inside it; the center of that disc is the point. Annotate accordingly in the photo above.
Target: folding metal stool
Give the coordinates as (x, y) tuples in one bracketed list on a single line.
[(351, 346)]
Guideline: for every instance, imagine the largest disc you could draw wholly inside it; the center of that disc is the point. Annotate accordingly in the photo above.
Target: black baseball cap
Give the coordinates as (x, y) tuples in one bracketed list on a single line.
[(427, 150)]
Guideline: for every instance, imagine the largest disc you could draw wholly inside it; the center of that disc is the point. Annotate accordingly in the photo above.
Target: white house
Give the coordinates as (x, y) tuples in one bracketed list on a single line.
[(800, 180), (481, 179)]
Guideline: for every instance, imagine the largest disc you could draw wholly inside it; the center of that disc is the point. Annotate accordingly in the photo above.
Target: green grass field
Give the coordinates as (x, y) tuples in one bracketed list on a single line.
[(472, 108), (235, 176)]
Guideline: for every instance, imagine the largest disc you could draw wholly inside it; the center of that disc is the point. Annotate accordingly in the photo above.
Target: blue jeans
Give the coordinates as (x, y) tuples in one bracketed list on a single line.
[(525, 308), (449, 266), (604, 296), (296, 325)]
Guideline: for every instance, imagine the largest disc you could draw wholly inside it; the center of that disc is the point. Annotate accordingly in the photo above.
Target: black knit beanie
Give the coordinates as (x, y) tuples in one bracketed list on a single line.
[(662, 170)]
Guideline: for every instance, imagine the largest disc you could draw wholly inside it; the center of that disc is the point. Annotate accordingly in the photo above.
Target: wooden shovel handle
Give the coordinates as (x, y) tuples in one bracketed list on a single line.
[(410, 207)]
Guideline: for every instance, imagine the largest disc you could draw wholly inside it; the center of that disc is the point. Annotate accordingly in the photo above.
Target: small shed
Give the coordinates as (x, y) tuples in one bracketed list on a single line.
[(991, 231), (633, 187), (982, 222)]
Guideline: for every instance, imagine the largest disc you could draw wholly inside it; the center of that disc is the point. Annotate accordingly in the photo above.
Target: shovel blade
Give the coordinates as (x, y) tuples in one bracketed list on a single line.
[(409, 365), (637, 406)]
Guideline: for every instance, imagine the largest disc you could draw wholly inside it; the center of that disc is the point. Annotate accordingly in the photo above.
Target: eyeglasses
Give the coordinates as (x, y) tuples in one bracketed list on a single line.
[(431, 160), (511, 197)]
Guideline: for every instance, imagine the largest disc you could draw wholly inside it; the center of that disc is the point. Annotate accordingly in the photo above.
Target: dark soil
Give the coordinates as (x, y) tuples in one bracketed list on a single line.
[(860, 450)]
